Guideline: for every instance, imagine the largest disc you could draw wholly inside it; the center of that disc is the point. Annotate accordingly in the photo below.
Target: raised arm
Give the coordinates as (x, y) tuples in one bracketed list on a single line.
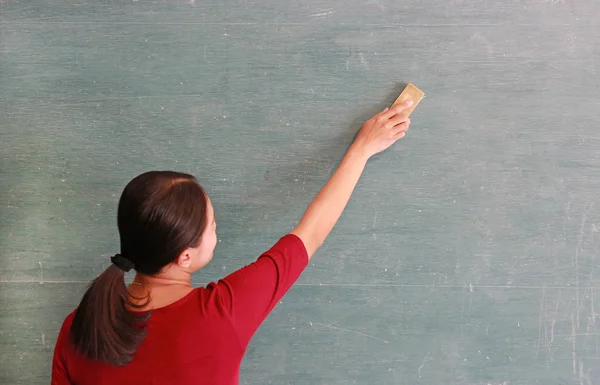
[(376, 135), (249, 294)]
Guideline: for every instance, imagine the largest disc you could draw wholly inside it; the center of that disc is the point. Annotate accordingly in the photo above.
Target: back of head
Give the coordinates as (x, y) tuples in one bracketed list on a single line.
[(160, 214)]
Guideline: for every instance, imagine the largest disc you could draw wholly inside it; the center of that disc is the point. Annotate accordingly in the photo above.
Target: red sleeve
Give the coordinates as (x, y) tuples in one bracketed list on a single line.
[(250, 293), (60, 375)]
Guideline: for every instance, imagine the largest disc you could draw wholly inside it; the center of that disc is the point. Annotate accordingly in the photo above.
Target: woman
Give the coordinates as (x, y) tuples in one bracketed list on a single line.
[(160, 330)]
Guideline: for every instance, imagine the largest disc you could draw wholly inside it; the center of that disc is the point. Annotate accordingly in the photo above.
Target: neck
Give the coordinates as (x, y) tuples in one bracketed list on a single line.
[(162, 280), (156, 291)]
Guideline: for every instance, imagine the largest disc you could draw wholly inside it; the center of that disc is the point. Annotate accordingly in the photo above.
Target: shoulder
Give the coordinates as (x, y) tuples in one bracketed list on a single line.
[(62, 341), (283, 262), (67, 322)]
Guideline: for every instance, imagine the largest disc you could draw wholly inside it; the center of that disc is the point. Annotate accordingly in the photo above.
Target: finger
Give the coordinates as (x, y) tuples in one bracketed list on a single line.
[(379, 116), (398, 108), (399, 135), (396, 120), (402, 127), (381, 113)]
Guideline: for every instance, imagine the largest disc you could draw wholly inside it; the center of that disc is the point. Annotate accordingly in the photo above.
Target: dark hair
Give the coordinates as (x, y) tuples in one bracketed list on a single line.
[(160, 214)]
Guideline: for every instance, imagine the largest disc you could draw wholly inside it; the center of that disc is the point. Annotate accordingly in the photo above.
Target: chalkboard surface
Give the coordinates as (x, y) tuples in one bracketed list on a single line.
[(468, 254)]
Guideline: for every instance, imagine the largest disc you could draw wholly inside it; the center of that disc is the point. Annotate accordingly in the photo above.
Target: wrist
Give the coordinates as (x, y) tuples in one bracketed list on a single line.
[(358, 151)]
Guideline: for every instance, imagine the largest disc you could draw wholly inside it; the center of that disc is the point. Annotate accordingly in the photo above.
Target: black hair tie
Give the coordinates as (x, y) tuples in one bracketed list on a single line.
[(122, 263)]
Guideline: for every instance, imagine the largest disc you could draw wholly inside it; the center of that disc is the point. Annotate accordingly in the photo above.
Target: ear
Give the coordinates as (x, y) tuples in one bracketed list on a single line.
[(185, 258)]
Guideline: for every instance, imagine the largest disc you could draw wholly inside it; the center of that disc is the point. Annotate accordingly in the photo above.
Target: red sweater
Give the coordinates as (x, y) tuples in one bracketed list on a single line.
[(201, 338)]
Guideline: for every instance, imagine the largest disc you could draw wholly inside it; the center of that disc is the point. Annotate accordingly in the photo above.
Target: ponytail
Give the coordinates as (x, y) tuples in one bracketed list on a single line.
[(160, 214), (104, 328)]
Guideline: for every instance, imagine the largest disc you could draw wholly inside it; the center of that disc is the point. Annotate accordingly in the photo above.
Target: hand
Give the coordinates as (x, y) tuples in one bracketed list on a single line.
[(383, 130)]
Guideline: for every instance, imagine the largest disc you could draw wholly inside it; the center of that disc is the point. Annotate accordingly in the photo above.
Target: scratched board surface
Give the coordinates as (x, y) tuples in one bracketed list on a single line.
[(468, 252)]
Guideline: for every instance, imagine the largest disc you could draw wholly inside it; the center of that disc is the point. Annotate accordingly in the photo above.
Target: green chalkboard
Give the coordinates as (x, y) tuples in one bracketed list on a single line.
[(468, 254)]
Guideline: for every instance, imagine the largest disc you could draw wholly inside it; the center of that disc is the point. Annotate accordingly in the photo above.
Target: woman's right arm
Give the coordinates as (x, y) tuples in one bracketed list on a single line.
[(250, 293), (376, 135)]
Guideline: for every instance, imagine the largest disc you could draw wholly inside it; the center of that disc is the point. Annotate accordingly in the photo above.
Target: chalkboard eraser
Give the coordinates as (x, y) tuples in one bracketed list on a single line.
[(410, 93)]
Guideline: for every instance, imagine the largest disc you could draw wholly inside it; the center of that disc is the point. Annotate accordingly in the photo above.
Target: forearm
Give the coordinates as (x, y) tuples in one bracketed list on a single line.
[(327, 207), (377, 134)]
